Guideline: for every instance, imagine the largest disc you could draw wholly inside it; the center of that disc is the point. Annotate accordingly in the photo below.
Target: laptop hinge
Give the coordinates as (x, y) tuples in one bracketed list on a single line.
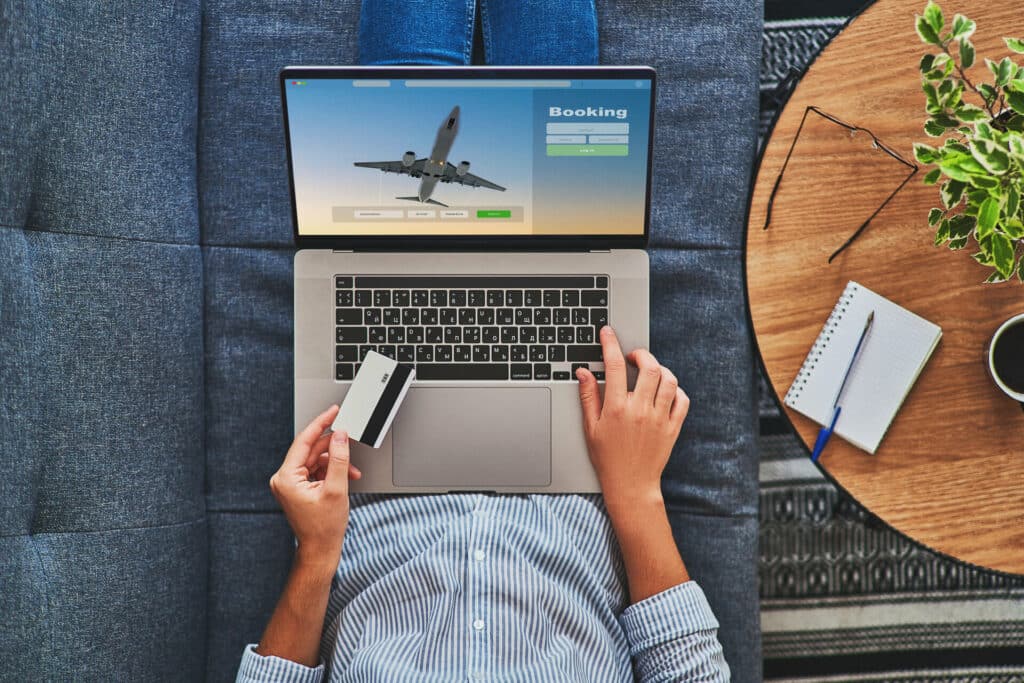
[(343, 251), (600, 251)]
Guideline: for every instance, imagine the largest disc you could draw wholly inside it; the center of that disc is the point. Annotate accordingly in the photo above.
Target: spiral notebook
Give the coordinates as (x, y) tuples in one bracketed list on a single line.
[(894, 353)]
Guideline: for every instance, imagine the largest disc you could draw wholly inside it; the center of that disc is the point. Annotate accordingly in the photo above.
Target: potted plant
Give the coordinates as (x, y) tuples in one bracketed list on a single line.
[(980, 161)]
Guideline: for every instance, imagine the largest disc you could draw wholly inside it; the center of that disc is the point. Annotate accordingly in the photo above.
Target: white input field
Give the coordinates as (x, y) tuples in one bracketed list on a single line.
[(556, 128), (422, 213), (376, 213), (371, 83), (566, 139), (609, 139), (472, 83)]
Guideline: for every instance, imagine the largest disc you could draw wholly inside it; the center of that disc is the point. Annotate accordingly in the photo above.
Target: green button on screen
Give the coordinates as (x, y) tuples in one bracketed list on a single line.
[(588, 150), (494, 213)]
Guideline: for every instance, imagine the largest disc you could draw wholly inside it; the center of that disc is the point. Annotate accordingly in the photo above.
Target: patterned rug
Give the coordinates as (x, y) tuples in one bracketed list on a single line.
[(843, 597)]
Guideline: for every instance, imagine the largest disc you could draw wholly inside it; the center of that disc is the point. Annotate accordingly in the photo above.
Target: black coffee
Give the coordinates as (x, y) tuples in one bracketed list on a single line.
[(1008, 357)]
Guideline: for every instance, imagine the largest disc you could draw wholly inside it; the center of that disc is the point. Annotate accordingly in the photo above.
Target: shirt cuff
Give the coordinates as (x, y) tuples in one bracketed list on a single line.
[(255, 668), (673, 613)]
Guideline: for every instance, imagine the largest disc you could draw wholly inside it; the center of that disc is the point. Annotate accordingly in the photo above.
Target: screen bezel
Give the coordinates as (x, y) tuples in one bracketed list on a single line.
[(474, 242)]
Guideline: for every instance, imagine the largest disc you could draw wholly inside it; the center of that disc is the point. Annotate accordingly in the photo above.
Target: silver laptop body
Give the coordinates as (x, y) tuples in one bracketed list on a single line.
[(488, 264)]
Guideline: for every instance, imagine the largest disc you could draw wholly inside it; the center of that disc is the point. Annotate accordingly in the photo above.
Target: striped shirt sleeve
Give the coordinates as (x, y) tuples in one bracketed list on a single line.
[(673, 636), (255, 668)]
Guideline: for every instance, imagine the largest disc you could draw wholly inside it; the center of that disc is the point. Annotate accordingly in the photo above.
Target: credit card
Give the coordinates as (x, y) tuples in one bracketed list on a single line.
[(373, 399)]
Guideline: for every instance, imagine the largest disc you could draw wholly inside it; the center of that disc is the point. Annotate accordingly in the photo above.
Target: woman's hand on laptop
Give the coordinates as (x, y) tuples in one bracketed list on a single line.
[(312, 488), (630, 435)]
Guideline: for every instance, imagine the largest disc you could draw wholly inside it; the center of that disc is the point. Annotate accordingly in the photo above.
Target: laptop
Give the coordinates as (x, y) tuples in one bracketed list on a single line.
[(480, 224)]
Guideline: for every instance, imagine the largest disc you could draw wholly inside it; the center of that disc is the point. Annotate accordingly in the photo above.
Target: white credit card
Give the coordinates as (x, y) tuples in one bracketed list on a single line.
[(373, 399)]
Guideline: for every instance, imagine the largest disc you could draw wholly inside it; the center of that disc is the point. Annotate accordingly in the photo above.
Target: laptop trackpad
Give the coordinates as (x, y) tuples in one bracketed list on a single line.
[(478, 438)]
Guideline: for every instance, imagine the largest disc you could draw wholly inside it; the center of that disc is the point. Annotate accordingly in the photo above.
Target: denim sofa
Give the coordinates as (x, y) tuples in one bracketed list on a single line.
[(145, 318)]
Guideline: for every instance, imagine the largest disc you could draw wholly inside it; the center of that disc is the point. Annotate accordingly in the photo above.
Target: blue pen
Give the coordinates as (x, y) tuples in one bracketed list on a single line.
[(826, 432)]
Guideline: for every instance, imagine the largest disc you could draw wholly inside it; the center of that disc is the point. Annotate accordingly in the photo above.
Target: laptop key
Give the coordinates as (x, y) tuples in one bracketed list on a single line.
[(379, 335), (467, 316), (602, 281), (499, 352), (522, 371), (424, 354), (462, 353), (371, 316), (410, 316), (344, 371), (599, 317), (509, 335), (495, 297), (343, 281), (481, 354), (428, 316), (346, 353), (577, 366), (585, 335), (538, 353), (392, 316), (476, 297), (406, 354), (420, 297), (490, 335), (350, 335), (438, 298), (471, 335), (547, 335), (388, 351), (453, 335), (519, 353), (528, 335), (457, 297), (570, 298), (381, 297), (580, 316), (443, 353), (485, 316), (552, 297), (561, 374), (583, 353), (364, 298), (566, 335), (531, 297), (449, 316), (396, 335), (344, 297), (365, 349), (562, 316), (542, 371), (556, 354), (542, 316), (462, 371), (414, 335), (400, 297), (594, 297), (524, 316), (348, 316), (598, 375), (513, 297), (505, 316)]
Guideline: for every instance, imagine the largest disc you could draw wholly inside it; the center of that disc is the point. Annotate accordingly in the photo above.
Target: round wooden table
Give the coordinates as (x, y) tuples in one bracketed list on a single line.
[(950, 471)]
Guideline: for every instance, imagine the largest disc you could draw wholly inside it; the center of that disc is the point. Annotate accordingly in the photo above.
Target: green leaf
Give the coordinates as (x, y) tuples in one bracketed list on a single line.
[(976, 197), (1016, 146), (971, 113), (1016, 84), (933, 129), (951, 192), (1006, 70), (1015, 123), (933, 14), (946, 121), (995, 160), (926, 33), (1015, 44), (934, 216), (1015, 100), (962, 27), (988, 214), (956, 146), (927, 62), (966, 54), (932, 176), (988, 92), (942, 234), (1012, 202), (994, 278), (958, 243), (961, 226), (983, 258), (1020, 269), (1014, 229), (931, 96), (985, 182), (925, 154), (983, 131), (1002, 254)]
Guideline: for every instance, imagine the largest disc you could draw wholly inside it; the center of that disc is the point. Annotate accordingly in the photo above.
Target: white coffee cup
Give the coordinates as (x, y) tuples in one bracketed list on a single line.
[(1015, 320)]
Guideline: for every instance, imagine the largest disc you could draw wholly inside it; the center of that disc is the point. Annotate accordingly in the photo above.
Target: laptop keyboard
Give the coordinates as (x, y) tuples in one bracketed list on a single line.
[(472, 327)]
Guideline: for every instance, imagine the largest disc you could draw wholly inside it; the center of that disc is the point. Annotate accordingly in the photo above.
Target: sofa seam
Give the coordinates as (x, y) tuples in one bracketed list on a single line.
[(107, 530)]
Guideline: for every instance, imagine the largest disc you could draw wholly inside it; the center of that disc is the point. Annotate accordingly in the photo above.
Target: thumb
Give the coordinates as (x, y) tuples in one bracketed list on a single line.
[(589, 397), (336, 479)]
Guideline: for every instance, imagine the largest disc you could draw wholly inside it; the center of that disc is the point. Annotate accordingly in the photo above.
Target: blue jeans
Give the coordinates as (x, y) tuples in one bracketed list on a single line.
[(438, 32)]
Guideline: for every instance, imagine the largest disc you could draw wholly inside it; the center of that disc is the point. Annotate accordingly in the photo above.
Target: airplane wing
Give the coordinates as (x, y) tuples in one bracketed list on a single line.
[(452, 176), (416, 170)]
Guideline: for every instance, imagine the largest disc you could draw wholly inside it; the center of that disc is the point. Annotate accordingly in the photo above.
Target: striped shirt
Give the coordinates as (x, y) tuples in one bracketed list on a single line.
[(484, 587)]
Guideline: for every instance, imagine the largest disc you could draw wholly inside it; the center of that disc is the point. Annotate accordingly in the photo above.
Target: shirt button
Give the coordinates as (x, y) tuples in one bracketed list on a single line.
[(478, 624), (479, 555), (478, 675)]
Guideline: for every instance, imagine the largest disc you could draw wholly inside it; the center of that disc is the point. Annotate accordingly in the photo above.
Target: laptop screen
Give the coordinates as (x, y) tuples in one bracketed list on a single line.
[(476, 156)]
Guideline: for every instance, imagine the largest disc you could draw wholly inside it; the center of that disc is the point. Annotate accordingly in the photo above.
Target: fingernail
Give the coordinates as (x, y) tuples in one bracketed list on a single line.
[(579, 374), (608, 329), (340, 437)]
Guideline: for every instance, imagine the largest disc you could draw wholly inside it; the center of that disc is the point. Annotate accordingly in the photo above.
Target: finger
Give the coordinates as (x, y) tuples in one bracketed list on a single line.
[(299, 451), (316, 473), (614, 366), (319, 449), (680, 408), (649, 377), (354, 472), (590, 399), (666, 391), (336, 478)]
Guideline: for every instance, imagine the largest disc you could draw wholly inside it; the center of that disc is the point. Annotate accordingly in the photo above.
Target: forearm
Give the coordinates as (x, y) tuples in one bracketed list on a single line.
[(649, 552), (293, 632)]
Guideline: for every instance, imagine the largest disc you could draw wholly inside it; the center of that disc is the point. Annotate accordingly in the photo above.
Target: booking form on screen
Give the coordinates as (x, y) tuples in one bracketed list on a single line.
[(469, 156)]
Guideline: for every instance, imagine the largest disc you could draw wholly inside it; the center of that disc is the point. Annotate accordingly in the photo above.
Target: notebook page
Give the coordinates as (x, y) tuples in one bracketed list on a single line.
[(894, 353)]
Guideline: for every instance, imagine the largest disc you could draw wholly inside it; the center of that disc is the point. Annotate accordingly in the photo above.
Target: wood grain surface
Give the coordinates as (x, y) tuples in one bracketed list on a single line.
[(950, 471)]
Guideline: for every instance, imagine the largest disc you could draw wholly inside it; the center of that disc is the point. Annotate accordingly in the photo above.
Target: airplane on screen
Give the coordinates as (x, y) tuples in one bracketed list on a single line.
[(435, 169)]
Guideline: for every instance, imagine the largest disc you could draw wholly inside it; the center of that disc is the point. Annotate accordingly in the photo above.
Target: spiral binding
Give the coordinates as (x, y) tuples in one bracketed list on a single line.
[(820, 344)]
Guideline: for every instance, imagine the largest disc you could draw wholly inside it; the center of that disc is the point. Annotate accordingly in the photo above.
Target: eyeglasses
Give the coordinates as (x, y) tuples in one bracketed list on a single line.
[(875, 143)]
